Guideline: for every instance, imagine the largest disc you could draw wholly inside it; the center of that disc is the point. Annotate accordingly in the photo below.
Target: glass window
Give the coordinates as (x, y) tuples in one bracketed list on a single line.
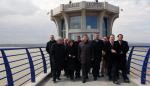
[(91, 22), (73, 36), (75, 22), (105, 27)]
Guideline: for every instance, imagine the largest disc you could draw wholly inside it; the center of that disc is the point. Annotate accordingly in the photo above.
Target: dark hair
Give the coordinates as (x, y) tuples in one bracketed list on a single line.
[(120, 35)]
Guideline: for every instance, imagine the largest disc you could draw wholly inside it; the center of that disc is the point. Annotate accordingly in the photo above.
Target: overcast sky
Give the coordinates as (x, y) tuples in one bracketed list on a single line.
[(25, 21)]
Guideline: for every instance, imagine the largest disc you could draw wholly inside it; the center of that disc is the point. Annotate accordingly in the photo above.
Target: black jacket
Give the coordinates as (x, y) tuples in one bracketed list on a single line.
[(122, 48), (49, 45), (109, 47), (97, 46), (58, 54)]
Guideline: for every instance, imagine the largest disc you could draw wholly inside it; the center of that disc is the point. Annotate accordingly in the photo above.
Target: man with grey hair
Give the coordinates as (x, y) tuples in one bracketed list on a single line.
[(48, 49), (58, 53)]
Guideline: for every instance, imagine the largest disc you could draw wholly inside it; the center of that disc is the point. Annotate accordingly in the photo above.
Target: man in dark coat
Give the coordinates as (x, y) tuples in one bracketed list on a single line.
[(112, 59), (85, 56), (97, 45), (122, 51), (104, 58), (78, 64), (66, 60), (58, 54), (48, 49)]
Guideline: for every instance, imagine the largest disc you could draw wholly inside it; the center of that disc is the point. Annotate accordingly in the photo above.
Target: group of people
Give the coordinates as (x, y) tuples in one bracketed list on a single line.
[(103, 56)]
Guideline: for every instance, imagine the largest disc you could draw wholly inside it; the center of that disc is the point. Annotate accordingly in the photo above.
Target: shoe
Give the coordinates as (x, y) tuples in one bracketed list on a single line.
[(54, 81), (102, 75), (71, 78), (84, 81), (58, 78), (50, 75), (110, 79), (126, 80), (98, 76), (95, 78), (87, 77), (116, 82), (77, 77)]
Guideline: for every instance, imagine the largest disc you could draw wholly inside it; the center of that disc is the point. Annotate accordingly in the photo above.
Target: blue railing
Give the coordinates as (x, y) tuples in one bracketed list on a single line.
[(19, 66), (22, 65), (139, 63)]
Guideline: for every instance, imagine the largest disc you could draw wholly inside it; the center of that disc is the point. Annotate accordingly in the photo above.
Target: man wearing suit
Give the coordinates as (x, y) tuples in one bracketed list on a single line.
[(78, 64), (122, 51), (58, 54), (111, 51), (97, 45), (85, 55), (48, 49)]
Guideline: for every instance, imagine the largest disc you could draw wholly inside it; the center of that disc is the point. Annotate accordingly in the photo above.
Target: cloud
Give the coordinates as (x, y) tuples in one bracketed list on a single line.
[(17, 7), (134, 20), (25, 21)]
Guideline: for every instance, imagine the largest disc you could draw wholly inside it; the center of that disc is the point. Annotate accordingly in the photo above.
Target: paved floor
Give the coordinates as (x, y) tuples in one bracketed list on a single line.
[(100, 82)]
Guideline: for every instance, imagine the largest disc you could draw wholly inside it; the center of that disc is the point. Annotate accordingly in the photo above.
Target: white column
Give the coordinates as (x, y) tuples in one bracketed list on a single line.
[(101, 16), (66, 18), (83, 19)]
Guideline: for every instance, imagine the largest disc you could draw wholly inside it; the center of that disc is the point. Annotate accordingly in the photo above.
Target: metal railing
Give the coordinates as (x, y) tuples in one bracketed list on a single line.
[(139, 63), (36, 61), (26, 65)]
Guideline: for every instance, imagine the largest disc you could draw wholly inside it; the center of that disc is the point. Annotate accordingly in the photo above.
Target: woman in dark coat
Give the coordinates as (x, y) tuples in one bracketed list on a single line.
[(71, 54)]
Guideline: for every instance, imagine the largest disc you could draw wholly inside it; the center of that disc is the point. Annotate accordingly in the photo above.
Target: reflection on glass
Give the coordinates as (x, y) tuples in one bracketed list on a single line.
[(75, 22), (91, 22)]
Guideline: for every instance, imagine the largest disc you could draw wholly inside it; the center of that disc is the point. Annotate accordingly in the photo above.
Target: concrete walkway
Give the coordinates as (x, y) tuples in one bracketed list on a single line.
[(67, 82)]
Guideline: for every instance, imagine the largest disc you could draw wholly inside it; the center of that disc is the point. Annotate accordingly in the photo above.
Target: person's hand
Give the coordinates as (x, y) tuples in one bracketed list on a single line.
[(113, 51), (69, 55), (73, 57)]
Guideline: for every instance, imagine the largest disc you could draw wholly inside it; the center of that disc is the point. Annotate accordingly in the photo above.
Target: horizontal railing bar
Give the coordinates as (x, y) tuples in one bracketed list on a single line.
[(20, 48), (148, 81), (136, 63), (135, 69), (24, 82), (20, 71), (18, 60), (34, 52), (38, 63), (1, 63), (37, 60), (36, 55), (20, 65), (135, 74), (141, 46), (138, 55), (140, 51), (38, 68), (137, 59), (38, 73), (17, 55), (21, 77), (3, 78), (2, 71), (147, 74)]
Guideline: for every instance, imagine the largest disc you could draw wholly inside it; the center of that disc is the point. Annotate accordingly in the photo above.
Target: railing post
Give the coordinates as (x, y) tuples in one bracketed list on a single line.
[(129, 60), (8, 69), (31, 66), (44, 61), (144, 67)]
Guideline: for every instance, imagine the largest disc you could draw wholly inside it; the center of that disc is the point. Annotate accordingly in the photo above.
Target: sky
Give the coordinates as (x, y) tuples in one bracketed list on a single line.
[(26, 21)]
